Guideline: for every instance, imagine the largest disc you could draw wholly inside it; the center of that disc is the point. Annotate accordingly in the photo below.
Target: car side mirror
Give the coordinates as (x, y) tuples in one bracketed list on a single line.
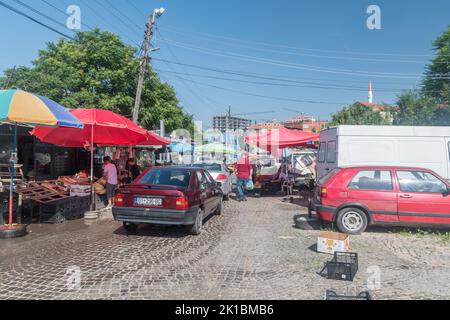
[(447, 192)]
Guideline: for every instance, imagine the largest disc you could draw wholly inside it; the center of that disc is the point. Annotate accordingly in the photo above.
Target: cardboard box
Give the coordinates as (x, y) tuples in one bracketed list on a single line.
[(331, 242)]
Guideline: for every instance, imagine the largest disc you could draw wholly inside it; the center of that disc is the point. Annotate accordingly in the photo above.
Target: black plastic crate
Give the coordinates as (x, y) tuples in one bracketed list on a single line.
[(56, 211), (332, 295), (79, 206), (343, 266), (54, 218)]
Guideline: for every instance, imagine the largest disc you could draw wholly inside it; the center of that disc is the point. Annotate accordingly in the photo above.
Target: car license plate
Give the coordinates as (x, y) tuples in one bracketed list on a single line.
[(148, 202)]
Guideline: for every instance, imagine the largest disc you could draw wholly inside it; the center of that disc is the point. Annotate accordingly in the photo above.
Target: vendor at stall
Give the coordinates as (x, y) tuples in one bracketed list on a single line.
[(134, 170)]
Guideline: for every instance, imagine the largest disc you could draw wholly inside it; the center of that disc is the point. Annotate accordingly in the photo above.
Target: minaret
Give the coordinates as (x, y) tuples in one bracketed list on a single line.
[(370, 92)]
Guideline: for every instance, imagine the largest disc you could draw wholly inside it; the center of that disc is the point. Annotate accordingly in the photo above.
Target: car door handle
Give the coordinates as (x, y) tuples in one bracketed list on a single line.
[(406, 196)]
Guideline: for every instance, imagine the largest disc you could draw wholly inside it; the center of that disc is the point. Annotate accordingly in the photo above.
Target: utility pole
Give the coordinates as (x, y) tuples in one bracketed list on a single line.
[(143, 65)]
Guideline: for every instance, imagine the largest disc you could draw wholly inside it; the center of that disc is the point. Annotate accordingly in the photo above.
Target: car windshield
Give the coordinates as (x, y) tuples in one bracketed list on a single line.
[(167, 177), (214, 167)]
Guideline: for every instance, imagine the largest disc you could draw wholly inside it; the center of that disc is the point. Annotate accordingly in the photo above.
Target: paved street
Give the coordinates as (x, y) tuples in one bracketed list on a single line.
[(252, 251)]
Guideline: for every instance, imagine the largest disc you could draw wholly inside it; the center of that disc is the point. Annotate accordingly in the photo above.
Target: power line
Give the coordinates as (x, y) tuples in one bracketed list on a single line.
[(261, 76), (271, 97), (40, 13), (200, 98), (126, 17), (106, 7), (65, 14), (130, 2), (337, 87), (297, 48), (108, 21), (301, 66), (34, 20), (303, 54)]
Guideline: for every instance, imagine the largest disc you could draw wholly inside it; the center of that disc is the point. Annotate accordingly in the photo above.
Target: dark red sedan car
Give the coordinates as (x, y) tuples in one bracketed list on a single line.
[(355, 197), (182, 196)]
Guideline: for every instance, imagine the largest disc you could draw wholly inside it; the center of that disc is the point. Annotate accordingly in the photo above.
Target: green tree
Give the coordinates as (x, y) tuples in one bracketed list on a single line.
[(415, 109), (436, 83), (98, 70), (430, 106), (358, 114)]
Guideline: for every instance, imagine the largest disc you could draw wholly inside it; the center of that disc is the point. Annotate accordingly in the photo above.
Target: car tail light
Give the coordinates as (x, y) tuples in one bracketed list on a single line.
[(182, 203), (118, 200), (221, 177), (323, 192)]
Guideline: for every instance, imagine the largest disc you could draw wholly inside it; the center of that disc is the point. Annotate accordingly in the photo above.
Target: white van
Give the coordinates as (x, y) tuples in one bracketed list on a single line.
[(423, 147)]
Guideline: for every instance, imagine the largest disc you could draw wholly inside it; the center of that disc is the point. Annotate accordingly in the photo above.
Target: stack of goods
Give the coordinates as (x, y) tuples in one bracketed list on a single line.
[(52, 185), (77, 185), (99, 186)]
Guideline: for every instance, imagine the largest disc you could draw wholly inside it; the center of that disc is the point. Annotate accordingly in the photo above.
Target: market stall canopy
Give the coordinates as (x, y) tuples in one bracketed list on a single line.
[(20, 107), (103, 127), (180, 147), (281, 138), (216, 148)]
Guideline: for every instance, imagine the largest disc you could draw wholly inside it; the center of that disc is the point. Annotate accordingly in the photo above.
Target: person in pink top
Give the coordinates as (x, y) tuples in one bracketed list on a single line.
[(243, 170), (110, 174)]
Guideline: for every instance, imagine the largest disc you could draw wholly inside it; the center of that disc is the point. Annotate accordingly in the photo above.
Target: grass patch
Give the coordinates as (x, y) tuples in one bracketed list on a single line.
[(439, 235)]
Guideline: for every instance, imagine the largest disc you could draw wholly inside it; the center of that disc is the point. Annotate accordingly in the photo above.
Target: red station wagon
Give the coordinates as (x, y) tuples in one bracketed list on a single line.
[(182, 196), (356, 197)]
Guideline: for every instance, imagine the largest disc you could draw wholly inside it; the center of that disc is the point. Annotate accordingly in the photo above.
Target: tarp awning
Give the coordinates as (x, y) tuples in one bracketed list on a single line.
[(282, 138)]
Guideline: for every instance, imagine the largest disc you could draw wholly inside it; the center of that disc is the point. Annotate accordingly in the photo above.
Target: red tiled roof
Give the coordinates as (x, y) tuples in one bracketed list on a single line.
[(375, 106)]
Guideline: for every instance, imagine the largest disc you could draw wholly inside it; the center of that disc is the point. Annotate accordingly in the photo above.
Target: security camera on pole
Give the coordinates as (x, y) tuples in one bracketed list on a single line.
[(157, 13)]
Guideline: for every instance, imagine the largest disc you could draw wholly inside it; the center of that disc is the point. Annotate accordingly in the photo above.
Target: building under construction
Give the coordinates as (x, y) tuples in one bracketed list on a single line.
[(228, 122)]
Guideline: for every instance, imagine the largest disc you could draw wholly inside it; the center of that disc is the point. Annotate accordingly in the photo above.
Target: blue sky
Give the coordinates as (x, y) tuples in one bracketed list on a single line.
[(323, 48)]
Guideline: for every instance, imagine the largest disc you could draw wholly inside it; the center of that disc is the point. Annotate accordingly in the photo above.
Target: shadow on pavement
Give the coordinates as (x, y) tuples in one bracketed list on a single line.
[(160, 231)]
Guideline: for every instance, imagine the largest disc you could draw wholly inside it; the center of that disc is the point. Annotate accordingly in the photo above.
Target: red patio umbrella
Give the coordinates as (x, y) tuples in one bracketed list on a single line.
[(101, 127)]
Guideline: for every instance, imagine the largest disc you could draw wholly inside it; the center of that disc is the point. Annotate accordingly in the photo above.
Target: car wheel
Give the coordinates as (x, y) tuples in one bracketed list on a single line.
[(226, 197), (130, 228), (196, 229), (219, 209), (351, 221)]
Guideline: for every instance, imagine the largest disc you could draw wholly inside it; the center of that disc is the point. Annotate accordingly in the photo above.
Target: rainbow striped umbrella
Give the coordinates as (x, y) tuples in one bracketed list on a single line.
[(18, 107)]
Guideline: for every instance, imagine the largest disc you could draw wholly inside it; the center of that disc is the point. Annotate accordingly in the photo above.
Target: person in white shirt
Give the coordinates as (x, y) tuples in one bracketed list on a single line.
[(110, 174)]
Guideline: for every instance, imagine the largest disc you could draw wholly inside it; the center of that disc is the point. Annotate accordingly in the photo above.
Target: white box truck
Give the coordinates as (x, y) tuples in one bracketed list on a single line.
[(423, 147)]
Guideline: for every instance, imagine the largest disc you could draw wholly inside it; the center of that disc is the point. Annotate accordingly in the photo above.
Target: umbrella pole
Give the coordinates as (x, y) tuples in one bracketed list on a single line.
[(92, 170), (11, 186)]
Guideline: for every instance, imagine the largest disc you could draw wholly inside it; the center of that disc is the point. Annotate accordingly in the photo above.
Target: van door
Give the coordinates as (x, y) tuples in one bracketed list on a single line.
[(422, 197), (374, 188), (321, 160)]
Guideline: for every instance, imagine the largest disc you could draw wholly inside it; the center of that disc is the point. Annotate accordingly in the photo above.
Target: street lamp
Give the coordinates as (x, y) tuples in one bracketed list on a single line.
[(158, 12)]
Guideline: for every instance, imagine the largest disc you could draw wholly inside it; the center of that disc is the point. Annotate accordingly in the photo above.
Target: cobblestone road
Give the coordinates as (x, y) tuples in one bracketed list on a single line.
[(252, 251)]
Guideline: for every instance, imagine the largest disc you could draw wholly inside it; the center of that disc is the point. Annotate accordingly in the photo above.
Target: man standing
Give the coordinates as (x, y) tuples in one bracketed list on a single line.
[(110, 174), (243, 170)]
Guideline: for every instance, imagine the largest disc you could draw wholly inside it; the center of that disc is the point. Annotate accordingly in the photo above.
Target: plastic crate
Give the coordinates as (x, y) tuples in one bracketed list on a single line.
[(344, 266), (79, 206), (332, 295), (56, 211)]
